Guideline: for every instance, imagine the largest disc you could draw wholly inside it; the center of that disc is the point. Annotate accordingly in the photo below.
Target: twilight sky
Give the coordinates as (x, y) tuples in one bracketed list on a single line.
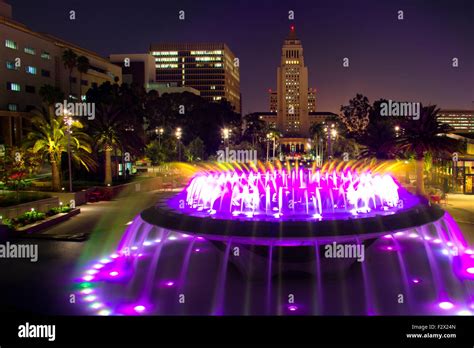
[(400, 60)]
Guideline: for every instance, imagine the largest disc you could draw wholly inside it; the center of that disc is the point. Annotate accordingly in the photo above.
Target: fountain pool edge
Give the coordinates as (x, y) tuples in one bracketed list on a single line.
[(162, 215)]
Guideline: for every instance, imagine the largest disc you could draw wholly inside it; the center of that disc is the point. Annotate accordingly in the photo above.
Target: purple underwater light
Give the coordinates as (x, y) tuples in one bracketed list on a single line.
[(174, 257)]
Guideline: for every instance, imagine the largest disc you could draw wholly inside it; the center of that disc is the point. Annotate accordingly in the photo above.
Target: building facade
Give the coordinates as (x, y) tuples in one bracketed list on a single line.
[(139, 69), (30, 60), (462, 121), (211, 68), (293, 102)]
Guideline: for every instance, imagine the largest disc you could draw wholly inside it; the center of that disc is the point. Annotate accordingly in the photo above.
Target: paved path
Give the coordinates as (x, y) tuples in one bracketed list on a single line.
[(461, 208), (45, 286)]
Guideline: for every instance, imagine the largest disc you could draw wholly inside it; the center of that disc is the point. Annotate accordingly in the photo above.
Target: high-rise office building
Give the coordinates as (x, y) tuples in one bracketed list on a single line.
[(462, 121), (311, 100), (273, 98), (210, 68), (292, 89), (139, 69), (293, 104)]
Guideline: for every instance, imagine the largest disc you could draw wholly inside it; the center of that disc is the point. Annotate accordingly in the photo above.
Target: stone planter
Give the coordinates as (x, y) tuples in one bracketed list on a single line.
[(41, 205), (43, 224)]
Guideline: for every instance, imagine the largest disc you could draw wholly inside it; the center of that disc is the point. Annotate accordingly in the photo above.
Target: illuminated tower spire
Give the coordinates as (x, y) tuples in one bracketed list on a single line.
[(292, 88)]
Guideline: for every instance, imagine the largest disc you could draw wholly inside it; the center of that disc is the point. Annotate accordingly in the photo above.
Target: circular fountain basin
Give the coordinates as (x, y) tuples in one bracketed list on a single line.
[(262, 230), (271, 225)]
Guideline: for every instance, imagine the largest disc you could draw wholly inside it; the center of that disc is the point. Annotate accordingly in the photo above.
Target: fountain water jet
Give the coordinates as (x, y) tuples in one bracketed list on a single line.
[(270, 215)]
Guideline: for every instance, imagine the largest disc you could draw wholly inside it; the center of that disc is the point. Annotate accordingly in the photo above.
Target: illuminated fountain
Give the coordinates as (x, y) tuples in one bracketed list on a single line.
[(255, 241)]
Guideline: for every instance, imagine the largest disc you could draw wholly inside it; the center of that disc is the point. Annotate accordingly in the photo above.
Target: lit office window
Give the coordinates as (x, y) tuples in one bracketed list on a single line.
[(11, 44), (167, 59), (165, 53), (30, 50), (12, 86), (12, 107), (45, 55), (11, 65), (165, 66), (198, 53), (30, 70)]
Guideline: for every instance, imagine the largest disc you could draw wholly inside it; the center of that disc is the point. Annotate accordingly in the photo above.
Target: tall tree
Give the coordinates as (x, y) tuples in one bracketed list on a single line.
[(196, 116), (48, 137), (117, 124), (107, 130), (195, 150), (50, 96), (422, 136), (355, 116), (254, 128), (69, 58), (83, 66)]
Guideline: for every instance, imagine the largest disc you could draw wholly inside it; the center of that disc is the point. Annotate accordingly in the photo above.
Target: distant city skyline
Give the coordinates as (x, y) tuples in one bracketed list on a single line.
[(409, 59)]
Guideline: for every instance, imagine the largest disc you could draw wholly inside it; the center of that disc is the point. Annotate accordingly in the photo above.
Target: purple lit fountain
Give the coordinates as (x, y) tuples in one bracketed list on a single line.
[(286, 241)]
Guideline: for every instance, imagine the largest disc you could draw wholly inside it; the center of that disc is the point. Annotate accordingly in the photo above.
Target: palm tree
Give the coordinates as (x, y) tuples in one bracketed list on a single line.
[(316, 130), (378, 140), (118, 121), (51, 95), (254, 127), (48, 138), (70, 62), (422, 136), (272, 135), (108, 132), (83, 67)]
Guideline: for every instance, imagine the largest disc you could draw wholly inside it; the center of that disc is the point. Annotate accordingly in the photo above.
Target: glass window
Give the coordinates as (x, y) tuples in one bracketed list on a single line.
[(11, 44), (45, 55), (30, 89), (12, 107), (12, 86), (45, 73), (30, 50), (31, 70), (11, 65)]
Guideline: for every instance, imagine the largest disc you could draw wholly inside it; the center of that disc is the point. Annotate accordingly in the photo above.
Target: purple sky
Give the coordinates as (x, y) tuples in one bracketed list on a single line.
[(399, 60)]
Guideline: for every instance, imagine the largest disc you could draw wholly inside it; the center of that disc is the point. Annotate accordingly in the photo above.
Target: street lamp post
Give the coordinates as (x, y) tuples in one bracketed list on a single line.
[(226, 135), (159, 132), (69, 121), (274, 138), (330, 133), (332, 136), (397, 131), (268, 143), (178, 136), (328, 138)]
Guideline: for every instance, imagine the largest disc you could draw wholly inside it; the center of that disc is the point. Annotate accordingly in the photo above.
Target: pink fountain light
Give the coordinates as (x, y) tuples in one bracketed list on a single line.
[(297, 193)]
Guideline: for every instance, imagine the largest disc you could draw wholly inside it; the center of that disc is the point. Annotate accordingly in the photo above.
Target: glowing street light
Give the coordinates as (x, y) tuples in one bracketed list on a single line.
[(68, 121), (331, 132), (159, 132), (178, 135), (269, 136), (226, 132)]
